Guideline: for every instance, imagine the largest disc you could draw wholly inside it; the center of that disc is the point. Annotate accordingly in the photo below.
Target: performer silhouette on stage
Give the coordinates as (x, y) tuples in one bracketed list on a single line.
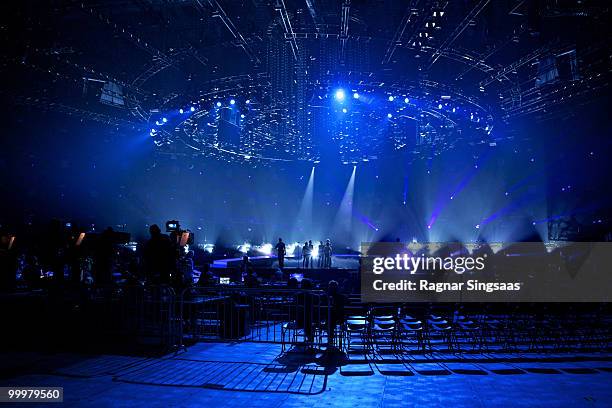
[(281, 250), (306, 252), (327, 254)]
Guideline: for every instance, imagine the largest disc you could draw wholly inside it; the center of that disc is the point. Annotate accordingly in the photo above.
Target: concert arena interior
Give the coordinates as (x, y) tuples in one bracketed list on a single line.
[(305, 203)]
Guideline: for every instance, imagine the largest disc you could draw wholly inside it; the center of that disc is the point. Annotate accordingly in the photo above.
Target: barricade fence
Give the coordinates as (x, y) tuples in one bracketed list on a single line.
[(141, 315), (157, 315), (258, 315)]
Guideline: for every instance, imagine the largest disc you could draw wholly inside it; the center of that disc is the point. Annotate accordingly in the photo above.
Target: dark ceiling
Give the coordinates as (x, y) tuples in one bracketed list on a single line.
[(503, 59)]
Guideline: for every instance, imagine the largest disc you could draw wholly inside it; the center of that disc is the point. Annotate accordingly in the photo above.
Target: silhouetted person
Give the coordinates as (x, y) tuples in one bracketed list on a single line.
[(306, 253), (53, 246), (103, 258), (306, 311), (8, 264), (292, 283), (158, 257), (281, 250), (32, 272), (311, 248), (320, 257), (337, 301), (74, 255), (327, 254)]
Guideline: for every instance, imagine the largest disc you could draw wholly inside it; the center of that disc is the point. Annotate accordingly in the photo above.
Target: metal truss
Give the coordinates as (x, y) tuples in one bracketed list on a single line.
[(282, 10), (238, 37), (457, 31), (344, 25), (501, 74), (45, 104), (134, 39)]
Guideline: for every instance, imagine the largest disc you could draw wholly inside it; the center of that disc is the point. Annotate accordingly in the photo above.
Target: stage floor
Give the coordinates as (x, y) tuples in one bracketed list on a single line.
[(258, 375)]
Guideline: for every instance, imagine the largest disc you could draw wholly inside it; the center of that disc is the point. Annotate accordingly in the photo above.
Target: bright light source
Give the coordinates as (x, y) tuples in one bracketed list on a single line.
[(247, 101), (265, 249), (477, 226), (340, 95), (439, 106), (242, 116), (344, 110), (356, 95), (391, 98), (406, 100), (389, 115), (232, 102), (218, 104), (164, 120), (192, 109), (244, 248), (181, 111)]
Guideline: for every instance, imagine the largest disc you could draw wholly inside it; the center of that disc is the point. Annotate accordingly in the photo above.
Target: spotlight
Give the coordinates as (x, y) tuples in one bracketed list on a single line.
[(356, 95), (429, 227), (164, 120), (440, 106), (247, 101), (406, 100), (344, 110), (340, 95), (242, 116), (389, 115), (218, 104), (181, 111), (391, 98), (192, 109), (232, 101)]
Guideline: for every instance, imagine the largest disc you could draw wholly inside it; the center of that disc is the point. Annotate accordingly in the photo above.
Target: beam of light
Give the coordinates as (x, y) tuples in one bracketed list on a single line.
[(507, 209), (304, 216), (443, 202), (405, 193), (366, 221), (343, 222)]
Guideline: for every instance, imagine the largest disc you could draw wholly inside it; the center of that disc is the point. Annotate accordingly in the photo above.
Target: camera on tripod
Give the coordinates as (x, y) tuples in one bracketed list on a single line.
[(180, 236)]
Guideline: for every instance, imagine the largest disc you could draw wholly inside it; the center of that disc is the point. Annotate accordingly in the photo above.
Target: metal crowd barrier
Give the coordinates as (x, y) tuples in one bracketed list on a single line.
[(257, 315), (141, 315)]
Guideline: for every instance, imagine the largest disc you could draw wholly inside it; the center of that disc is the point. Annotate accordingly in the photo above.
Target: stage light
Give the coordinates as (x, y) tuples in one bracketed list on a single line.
[(181, 111), (429, 227), (265, 249), (391, 98), (218, 104), (192, 109), (247, 101), (339, 94), (242, 116), (389, 115), (356, 95), (406, 100), (440, 106), (164, 120), (454, 109), (232, 101), (477, 226), (344, 110)]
